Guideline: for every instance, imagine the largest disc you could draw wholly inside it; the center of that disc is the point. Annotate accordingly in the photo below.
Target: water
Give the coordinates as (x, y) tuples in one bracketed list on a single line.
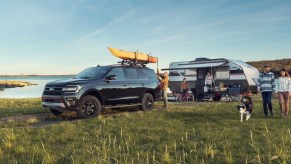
[(34, 91)]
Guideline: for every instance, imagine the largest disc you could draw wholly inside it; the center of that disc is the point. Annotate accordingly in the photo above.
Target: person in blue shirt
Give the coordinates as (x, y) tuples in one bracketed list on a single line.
[(266, 86)]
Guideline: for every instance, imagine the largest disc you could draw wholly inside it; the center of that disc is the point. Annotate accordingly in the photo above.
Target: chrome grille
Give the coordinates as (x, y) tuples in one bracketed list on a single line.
[(51, 90)]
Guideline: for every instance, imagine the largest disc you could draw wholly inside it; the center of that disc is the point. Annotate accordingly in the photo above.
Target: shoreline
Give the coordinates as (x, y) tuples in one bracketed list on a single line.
[(4, 84), (36, 75)]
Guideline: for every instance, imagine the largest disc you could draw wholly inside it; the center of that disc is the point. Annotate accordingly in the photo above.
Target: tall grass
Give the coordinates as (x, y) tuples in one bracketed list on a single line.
[(185, 133), (9, 107)]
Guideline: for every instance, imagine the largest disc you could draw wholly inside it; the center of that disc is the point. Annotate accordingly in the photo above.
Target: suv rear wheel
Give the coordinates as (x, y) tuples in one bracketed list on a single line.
[(147, 102), (89, 107)]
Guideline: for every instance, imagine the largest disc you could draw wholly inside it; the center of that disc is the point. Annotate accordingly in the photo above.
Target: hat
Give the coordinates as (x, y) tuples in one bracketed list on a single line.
[(267, 65)]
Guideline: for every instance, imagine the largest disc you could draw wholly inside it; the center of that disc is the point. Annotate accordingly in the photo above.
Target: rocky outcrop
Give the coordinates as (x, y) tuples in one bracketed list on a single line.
[(14, 84)]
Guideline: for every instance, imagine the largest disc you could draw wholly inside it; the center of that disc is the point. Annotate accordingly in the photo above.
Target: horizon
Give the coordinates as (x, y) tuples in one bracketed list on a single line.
[(2, 75), (65, 37)]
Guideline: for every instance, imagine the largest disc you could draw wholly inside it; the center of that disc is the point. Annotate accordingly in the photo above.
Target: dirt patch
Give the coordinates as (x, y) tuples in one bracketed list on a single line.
[(22, 118), (44, 119)]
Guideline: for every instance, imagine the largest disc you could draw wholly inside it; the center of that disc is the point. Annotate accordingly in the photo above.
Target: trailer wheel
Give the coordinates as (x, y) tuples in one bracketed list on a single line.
[(200, 97), (55, 112), (216, 98)]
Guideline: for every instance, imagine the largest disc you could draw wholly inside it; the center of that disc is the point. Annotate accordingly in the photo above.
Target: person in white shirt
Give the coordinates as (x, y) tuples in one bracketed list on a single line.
[(283, 91), (208, 79)]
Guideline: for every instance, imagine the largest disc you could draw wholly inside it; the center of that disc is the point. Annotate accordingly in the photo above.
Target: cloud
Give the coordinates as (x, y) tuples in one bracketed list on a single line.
[(106, 27)]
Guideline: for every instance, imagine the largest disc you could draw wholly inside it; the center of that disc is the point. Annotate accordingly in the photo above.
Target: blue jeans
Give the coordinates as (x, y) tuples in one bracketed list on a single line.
[(267, 102)]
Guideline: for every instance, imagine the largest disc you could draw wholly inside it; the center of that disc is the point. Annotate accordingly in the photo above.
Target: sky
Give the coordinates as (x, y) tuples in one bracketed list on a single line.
[(66, 36)]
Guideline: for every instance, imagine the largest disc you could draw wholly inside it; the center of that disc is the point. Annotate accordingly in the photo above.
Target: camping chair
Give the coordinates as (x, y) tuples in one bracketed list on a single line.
[(233, 94)]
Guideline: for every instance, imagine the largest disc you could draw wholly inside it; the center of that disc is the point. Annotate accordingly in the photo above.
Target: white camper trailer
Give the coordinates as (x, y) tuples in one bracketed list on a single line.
[(226, 74)]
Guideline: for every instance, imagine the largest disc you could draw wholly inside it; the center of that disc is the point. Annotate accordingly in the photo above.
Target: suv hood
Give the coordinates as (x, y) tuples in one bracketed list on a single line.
[(65, 82)]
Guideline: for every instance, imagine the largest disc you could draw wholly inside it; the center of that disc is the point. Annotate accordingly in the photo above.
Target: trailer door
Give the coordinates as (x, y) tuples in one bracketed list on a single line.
[(202, 72)]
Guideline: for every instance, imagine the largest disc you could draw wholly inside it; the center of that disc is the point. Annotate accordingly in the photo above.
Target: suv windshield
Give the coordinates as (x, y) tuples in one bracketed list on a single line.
[(93, 73)]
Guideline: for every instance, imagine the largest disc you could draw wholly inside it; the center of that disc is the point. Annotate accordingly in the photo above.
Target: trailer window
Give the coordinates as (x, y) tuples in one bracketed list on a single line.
[(190, 72), (237, 71), (222, 73), (174, 74)]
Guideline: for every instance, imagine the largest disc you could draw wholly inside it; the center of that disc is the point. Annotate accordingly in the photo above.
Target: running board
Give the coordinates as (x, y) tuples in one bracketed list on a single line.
[(120, 106)]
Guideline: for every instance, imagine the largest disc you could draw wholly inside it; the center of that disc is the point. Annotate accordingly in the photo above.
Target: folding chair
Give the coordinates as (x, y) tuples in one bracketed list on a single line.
[(233, 94)]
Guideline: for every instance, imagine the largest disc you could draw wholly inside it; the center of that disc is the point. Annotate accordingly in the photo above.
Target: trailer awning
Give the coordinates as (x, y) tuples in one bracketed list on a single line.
[(193, 66)]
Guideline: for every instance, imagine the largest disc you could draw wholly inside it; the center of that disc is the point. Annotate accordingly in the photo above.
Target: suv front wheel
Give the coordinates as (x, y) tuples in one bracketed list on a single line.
[(89, 107), (55, 112), (147, 102)]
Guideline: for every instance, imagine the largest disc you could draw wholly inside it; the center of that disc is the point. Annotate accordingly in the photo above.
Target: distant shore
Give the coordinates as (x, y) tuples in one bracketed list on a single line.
[(13, 84), (34, 75)]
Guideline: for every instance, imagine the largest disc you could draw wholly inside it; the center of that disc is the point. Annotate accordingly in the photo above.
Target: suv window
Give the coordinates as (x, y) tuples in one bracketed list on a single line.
[(118, 72), (131, 73), (93, 73), (147, 74)]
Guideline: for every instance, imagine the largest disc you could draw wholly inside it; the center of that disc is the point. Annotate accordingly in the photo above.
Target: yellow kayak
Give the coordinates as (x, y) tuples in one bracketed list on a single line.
[(128, 55)]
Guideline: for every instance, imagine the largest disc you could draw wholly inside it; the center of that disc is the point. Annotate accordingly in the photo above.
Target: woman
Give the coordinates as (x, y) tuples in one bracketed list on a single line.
[(283, 91), (208, 79)]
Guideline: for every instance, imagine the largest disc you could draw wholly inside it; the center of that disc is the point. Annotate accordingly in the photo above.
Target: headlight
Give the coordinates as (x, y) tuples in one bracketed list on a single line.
[(75, 88)]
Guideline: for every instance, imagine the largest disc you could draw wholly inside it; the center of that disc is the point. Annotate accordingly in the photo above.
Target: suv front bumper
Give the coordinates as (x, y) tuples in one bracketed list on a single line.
[(60, 103), (52, 105)]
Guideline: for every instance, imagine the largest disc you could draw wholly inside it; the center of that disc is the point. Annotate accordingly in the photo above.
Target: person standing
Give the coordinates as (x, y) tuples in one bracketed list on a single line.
[(184, 87), (208, 83), (164, 80), (266, 86), (283, 92), (209, 80)]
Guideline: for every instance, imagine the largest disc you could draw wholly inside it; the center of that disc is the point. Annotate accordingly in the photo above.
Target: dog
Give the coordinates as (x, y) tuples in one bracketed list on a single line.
[(246, 106)]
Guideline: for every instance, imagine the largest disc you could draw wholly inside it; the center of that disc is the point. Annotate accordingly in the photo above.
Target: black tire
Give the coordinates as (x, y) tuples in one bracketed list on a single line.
[(200, 97), (55, 112), (190, 98), (89, 107), (147, 102), (216, 98)]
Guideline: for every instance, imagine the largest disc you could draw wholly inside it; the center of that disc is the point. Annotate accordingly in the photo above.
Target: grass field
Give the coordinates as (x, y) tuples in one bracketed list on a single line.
[(185, 133), (11, 107)]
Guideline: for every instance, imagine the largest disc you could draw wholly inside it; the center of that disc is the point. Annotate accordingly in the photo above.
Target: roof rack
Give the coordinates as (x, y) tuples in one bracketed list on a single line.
[(133, 62)]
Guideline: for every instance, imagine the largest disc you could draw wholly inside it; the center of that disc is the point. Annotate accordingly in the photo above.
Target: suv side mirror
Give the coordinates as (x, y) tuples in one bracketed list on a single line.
[(111, 77)]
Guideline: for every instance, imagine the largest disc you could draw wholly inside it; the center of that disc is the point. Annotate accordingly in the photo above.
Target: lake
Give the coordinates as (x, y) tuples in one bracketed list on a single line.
[(34, 91)]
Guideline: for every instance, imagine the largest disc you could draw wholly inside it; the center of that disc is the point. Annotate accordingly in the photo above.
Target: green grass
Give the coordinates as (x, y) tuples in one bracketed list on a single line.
[(10, 107), (185, 133)]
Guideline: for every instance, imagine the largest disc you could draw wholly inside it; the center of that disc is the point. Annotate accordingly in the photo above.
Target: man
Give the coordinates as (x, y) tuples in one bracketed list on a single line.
[(266, 86), (164, 79), (184, 87)]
